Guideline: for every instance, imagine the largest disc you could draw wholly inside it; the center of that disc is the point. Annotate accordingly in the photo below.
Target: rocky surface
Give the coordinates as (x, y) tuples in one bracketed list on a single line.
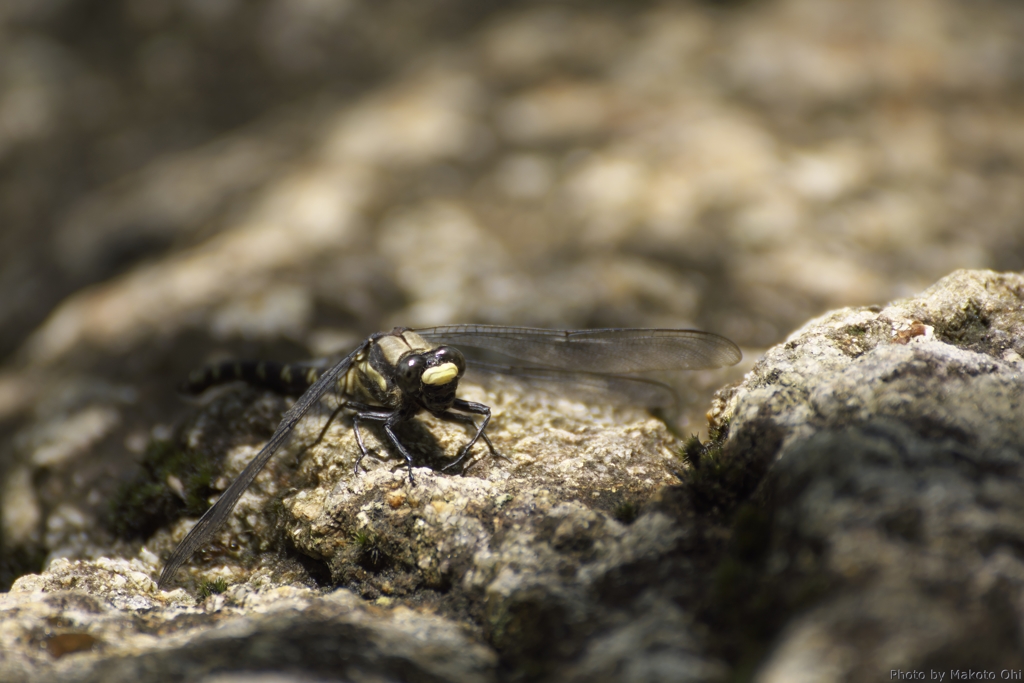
[(105, 621), (891, 523), (522, 559), (187, 181), (857, 512)]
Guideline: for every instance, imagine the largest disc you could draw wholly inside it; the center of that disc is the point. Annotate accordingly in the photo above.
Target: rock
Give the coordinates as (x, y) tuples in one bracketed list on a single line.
[(857, 512), (525, 557), (118, 627), (892, 513), (185, 182)]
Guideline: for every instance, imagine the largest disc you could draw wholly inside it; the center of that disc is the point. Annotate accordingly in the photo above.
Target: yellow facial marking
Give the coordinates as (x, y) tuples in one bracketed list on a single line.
[(286, 374), (442, 374)]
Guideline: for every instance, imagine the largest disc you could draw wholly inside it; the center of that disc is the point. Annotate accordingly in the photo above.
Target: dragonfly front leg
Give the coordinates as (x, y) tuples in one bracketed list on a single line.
[(390, 418), (476, 409)]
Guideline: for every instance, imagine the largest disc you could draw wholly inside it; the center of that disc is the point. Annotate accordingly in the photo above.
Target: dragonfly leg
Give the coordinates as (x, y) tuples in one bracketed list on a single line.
[(476, 409), (323, 432), (389, 428), (390, 418), (371, 416)]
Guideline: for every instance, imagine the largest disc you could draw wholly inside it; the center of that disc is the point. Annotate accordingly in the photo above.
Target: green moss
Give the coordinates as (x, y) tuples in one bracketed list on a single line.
[(529, 629), (752, 527), (733, 584), (172, 482), (755, 586), (708, 475), (371, 548), (748, 603), (692, 451), (626, 512), (207, 588), (723, 473)]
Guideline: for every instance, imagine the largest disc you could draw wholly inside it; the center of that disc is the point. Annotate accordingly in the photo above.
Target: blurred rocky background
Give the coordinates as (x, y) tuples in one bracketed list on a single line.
[(183, 180)]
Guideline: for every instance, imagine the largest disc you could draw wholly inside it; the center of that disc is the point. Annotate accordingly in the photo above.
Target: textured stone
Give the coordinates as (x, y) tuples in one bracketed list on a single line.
[(894, 498)]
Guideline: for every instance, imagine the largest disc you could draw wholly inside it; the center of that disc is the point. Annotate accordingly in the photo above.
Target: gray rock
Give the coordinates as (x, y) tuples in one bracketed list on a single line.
[(892, 513), (523, 558), (105, 621), (190, 180), (857, 512)]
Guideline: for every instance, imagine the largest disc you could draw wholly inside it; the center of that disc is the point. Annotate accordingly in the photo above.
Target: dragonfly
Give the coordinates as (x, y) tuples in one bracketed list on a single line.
[(391, 377)]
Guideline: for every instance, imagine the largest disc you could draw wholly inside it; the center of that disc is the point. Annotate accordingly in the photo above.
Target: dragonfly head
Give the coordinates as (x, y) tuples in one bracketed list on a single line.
[(432, 376)]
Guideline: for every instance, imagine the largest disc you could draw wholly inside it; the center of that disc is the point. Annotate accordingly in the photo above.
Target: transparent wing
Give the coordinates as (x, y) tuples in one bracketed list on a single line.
[(219, 512), (614, 389), (607, 351)]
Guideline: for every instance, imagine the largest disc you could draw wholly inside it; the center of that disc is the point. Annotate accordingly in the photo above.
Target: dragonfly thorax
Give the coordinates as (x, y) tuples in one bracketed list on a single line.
[(400, 369)]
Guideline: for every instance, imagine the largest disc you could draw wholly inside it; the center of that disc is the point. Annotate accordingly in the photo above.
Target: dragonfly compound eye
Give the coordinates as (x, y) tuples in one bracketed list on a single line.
[(409, 372), (447, 354)]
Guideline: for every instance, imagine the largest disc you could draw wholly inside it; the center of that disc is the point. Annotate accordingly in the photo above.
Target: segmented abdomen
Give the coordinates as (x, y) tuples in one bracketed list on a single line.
[(281, 378)]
